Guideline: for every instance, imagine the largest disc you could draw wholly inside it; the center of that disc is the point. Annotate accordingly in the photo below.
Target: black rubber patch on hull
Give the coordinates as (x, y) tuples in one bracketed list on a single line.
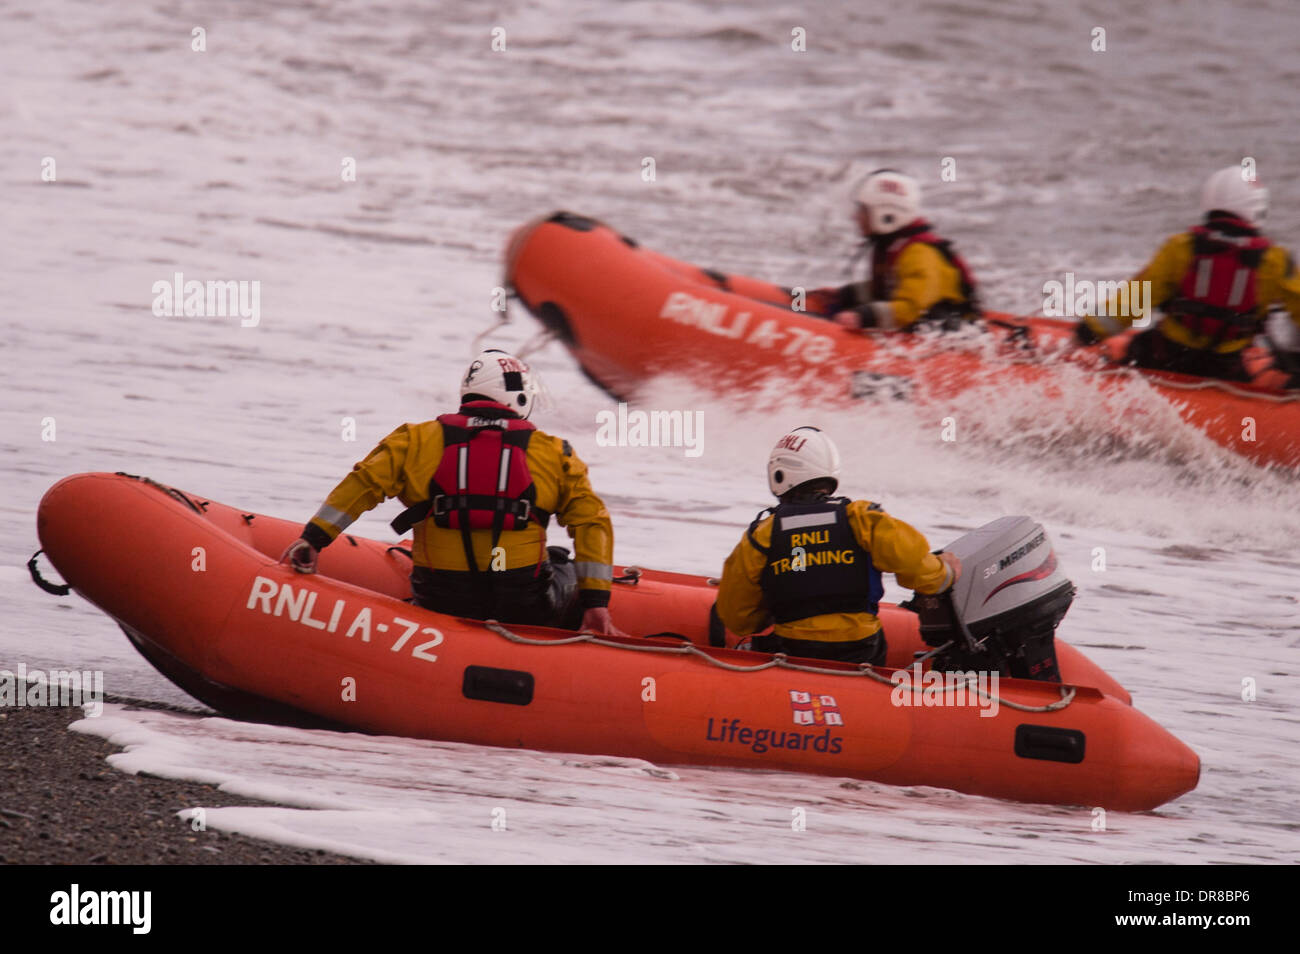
[(1050, 744), (510, 686)]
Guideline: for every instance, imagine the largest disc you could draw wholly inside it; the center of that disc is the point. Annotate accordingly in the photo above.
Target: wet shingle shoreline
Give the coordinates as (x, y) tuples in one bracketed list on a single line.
[(62, 803)]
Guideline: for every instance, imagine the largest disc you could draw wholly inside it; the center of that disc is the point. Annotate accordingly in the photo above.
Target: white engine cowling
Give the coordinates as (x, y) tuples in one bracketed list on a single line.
[(1003, 612)]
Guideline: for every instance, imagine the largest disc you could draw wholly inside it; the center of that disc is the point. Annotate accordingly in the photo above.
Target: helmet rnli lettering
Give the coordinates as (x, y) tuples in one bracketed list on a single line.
[(792, 442)]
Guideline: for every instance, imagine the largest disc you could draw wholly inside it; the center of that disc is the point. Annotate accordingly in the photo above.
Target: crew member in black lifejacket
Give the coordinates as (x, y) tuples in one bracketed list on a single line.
[(916, 279), (1214, 286), (812, 564), (480, 487)]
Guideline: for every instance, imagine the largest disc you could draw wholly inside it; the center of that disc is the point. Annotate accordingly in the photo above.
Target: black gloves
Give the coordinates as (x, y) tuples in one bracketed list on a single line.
[(301, 555)]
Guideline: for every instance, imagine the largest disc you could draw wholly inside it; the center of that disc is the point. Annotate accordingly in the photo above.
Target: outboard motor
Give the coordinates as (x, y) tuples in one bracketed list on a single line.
[(1001, 616)]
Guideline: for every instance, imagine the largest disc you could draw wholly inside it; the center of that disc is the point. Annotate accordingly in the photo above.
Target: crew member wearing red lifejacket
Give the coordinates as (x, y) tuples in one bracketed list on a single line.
[(1214, 285), (480, 487), (812, 564), (916, 277)]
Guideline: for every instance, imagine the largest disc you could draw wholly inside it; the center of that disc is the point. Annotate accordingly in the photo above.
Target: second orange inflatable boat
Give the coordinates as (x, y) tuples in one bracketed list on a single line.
[(630, 314), (197, 588)]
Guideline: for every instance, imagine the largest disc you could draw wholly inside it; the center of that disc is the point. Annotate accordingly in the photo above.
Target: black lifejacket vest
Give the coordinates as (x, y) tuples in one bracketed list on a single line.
[(885, 252), (1216, 297), (815, 564), (482, 481)]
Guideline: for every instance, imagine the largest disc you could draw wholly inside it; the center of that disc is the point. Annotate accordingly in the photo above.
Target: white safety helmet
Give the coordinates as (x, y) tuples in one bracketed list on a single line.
[(499, 376), (890, 199), (802, 455), (1228, 190)]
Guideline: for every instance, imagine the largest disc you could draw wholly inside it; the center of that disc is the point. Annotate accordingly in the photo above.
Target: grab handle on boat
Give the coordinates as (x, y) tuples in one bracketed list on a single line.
[(55, 589), (631, 574)]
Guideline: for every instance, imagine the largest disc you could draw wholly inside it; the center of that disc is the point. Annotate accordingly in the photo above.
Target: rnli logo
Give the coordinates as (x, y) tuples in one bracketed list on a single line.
[(814, 709), (792, 442)]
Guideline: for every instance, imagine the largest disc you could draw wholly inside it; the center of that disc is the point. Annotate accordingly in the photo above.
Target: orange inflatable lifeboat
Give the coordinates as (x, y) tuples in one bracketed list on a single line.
[(629, 314), (197, 588)]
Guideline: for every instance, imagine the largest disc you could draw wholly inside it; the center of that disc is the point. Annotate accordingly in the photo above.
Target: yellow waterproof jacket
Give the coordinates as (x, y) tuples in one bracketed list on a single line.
[(403, 463), (1276, 281), (919, 278), (895, 547)]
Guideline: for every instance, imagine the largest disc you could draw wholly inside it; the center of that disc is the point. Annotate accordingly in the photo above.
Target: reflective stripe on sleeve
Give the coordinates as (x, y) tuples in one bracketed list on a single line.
[(334, 517), (593, 571)]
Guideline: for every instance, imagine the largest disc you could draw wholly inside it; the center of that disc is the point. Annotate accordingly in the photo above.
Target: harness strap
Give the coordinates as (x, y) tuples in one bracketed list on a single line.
[(462, 481), (439, 504), (753, 541), (446, 503)]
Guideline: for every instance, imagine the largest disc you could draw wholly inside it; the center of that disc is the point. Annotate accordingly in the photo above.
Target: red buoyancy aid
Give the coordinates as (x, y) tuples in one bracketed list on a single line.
[(482, 481), (885, 254), (1217, 296)]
